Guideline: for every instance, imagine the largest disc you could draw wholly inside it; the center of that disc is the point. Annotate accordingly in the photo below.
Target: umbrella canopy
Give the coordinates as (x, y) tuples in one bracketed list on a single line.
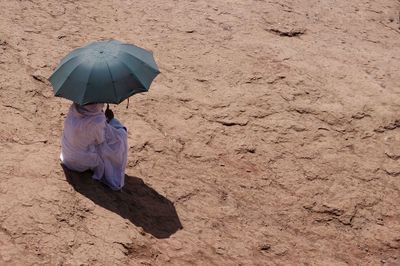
[(104, 72)]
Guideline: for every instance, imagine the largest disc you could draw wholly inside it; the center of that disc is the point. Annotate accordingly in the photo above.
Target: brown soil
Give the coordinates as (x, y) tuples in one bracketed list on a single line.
[(272, 136)]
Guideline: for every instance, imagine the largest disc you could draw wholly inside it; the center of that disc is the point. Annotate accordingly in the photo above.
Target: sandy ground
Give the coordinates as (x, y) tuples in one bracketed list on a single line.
[(272, 136)]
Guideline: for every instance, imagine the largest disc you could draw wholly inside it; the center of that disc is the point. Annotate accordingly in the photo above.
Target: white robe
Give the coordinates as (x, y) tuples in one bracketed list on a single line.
[(90, 143)]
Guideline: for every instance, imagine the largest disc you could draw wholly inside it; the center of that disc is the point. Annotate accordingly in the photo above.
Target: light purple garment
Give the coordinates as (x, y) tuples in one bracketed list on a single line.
[(89, 142)]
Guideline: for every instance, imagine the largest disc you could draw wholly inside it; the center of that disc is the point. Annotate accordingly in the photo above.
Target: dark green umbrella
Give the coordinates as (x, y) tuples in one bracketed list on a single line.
[(104, 72)]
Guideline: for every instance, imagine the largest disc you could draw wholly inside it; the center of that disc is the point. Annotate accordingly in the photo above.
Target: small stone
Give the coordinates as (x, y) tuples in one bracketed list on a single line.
[(265, 247), (220, 250), (298, 128)]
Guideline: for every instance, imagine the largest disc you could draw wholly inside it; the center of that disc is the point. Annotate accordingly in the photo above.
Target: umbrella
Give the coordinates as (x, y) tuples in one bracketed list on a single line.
[(104, 72)]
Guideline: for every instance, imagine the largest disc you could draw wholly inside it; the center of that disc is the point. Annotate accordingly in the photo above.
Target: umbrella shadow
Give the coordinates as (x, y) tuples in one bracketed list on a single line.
[(138, 202)]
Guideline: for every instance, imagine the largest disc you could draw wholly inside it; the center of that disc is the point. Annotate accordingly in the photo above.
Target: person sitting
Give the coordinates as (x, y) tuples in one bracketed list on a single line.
[(95, 140)]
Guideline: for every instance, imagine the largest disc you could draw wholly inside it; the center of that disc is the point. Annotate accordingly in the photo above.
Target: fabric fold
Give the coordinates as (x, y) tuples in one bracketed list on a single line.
[(90, 143)]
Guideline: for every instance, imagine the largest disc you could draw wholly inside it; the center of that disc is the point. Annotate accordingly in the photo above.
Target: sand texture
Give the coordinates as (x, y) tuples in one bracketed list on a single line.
[(271, 137)]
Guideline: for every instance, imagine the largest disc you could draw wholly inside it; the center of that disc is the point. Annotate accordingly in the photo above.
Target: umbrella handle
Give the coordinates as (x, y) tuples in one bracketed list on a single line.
[(108, 113)]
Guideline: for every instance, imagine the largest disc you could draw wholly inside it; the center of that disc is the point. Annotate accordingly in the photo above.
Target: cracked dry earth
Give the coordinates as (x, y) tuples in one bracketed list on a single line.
[(271, 137)]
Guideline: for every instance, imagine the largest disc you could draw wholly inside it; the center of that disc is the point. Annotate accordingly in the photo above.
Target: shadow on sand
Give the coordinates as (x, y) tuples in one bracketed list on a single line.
[(139, 203)]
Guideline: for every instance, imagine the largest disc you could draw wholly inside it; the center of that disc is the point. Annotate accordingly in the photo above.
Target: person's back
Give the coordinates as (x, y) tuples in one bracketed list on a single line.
[(87, 130)]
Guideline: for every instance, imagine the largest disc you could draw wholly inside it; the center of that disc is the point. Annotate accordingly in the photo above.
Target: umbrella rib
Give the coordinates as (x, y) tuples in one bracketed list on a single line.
[(87, 81), (63, 83), (73, 53), (112, 81), (142, 62), (63, 64), (127, 47), (131, 71)]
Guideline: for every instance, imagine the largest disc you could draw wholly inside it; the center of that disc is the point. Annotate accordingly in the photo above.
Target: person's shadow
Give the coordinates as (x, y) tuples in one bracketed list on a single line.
[(139, 203)]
